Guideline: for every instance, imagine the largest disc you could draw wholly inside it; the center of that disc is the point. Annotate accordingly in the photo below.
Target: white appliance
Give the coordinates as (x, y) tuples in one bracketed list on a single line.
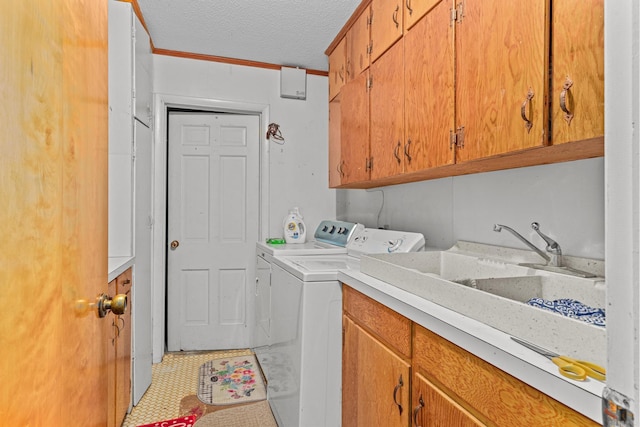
[(330, 237), (303, 362)]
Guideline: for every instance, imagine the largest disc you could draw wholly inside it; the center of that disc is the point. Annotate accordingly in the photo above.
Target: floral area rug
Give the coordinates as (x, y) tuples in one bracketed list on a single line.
[(231, 380)]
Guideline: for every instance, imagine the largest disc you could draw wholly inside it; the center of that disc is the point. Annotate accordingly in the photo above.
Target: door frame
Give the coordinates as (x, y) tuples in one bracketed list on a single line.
[(162, 103)]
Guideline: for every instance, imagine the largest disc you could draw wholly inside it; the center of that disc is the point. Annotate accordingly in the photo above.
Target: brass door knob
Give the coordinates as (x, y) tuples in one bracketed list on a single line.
[(117, 305), (175, 244)]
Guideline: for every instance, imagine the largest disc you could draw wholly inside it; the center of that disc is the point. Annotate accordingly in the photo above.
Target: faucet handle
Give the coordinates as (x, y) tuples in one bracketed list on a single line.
[(552, 246)]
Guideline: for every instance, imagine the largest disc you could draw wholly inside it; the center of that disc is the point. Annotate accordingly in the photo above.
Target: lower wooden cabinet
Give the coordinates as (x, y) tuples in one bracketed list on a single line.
[(397, 373), (119, 354), (376, 381), (432, 407)]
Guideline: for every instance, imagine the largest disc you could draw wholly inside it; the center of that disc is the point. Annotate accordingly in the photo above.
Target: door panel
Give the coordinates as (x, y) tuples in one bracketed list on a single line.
[(213, 205), (53, 181)]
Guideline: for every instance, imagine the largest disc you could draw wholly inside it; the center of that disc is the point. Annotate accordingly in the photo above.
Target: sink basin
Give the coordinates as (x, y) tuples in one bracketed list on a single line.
[(486, 283)]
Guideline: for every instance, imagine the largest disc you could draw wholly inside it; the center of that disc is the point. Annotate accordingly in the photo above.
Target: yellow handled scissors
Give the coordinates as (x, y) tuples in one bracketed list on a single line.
[(575, 369)]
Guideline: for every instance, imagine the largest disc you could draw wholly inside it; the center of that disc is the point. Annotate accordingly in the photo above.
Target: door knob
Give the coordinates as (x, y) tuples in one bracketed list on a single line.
[(117, 305), (175, 244)]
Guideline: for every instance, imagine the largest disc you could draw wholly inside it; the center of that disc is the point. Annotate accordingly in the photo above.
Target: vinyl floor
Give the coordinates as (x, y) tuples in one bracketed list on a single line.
[(172, 379)]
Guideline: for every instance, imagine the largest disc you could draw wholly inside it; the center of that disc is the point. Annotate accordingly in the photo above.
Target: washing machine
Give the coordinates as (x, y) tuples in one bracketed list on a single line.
[(303, 363)]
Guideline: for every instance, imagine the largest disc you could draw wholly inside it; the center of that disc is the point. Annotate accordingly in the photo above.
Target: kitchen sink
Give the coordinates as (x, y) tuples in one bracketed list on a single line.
[(488, 284)]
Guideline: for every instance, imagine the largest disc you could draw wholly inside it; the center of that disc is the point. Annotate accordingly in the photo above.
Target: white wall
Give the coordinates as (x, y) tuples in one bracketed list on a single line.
[(298, 169), (567, 199)]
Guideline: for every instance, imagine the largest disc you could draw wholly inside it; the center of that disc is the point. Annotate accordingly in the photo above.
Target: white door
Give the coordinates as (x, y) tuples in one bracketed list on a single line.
[(212, 228), (142, 333)]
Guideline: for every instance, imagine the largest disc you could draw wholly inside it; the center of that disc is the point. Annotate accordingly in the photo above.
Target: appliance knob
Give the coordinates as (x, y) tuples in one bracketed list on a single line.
[(394, 245), (332, 229), (325, 228)]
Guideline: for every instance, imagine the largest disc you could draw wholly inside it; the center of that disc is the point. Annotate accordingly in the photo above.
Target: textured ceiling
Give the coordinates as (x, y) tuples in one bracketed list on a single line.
[(281, 32)]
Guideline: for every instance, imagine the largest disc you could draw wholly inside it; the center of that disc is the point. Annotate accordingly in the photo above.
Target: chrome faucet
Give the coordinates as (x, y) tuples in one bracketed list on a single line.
[(499, 227), (552, 246)]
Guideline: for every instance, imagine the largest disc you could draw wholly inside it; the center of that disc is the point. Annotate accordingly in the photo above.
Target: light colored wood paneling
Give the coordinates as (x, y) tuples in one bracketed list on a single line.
[(416, 9), (358, 42), (386, 25)]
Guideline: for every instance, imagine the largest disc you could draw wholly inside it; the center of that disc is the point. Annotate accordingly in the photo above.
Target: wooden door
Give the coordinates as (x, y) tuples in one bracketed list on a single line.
[(386, 25), (431, 407), (416, 9), (502, 76), (358, 45), (53, 181), (375, 381), (354, 130), (386, 98), (429, 90), (335, 158), (337, 68), (578, 70)]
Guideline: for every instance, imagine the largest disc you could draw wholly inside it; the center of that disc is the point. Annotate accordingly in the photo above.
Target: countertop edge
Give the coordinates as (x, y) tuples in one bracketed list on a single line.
[(486, 342), (118, 265)]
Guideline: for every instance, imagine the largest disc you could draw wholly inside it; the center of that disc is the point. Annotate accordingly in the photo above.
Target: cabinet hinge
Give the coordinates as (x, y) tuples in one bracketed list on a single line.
[(368, 164), (370, 19), (457, 13), (456, 138), (370, 47), (369, 83)]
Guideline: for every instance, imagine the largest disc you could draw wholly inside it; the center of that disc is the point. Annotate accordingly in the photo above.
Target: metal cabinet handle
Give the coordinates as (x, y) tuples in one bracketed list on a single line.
[(339, 167), (395, 392), (341, 73), (523, 110), (408, 3), (396, 153), (417, 409), (395, 16), (568, 115), (407, 146)]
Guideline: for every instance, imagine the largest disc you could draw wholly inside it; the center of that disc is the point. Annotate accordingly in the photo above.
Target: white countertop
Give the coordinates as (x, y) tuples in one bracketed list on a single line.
[(118, 265), (486, 342)]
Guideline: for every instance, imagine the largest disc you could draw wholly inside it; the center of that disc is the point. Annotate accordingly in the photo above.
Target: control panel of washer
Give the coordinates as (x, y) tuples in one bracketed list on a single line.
[(376, 241)]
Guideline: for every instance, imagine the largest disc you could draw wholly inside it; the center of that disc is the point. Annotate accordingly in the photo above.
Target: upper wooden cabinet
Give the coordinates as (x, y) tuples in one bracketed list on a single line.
[(501, 76), (354, 130), (337, 68), (386, 25), (416, 9), (386, 98), (429, 89), (577, 94), (466, 86), (359, 45), (335, 157)]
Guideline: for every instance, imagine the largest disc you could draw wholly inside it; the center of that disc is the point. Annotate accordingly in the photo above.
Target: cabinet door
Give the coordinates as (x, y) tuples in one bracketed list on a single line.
[(335, 158), (416, 9), (123, 349), (337, 68), (502, 76), (354, 130), (386, 97), (375, 381), (429, 90), (386, 25), (431, 407), (578, 70), (358, 45)]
